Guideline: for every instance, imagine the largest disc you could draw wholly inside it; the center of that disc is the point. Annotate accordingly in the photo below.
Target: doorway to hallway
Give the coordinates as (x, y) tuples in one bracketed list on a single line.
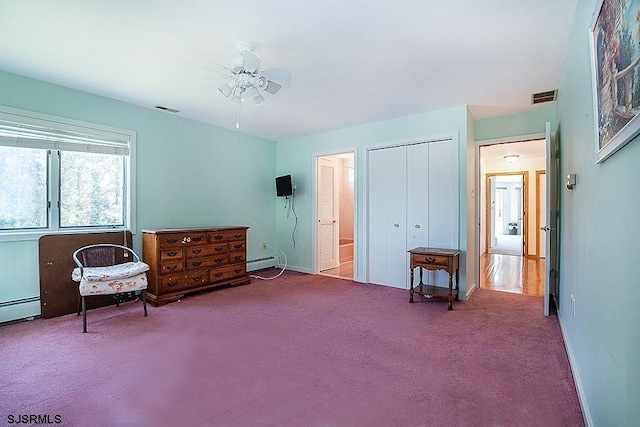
[(509, 255)]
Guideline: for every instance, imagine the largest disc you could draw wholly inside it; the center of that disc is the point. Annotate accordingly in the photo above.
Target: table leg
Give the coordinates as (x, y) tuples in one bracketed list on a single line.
[(457, 284), (411, 286), (421, 290), (450, 299)]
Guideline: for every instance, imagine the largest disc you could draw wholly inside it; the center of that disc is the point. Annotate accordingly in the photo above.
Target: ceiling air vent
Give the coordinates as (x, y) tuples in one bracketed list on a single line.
[(538, 98), (171, 110)]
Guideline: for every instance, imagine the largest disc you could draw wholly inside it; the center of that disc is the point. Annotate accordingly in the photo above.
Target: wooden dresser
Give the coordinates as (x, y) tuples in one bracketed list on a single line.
[(193, 259)]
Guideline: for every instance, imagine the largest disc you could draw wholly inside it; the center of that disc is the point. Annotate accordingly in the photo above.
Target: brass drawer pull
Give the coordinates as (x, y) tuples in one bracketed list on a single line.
[(186, 239), (171, 267), (172, 283), (172, 253), (172, 240), (197, 279), (238, 270), (219, 248), (238, 246), (218, 260), (238, 257), (237, 236), (197, 239), (197, 263), (197, 251), (430, 260), (218, 237), (219, 274)]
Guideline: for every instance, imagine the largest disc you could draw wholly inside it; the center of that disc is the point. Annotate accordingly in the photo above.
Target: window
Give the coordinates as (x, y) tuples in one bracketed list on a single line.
[(63, 175)]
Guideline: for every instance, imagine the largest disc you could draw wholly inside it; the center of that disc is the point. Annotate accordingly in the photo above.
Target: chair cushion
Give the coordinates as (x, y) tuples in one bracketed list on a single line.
[(112, 272), (113, 286)]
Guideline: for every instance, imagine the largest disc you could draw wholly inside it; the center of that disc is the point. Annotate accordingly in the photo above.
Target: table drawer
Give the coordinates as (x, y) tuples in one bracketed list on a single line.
[(178, 239), (206, 250), (430, 260)]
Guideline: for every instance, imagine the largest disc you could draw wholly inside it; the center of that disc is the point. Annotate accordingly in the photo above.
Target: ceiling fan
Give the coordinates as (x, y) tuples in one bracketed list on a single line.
[(248, 78)]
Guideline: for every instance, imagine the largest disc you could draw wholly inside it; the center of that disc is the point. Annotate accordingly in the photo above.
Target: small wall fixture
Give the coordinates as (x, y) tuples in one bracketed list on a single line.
[(511, 157)]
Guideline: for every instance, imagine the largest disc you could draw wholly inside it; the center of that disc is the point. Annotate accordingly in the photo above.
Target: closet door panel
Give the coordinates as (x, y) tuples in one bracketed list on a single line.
[(417, 195), (377, 193), (396, 183), (443, 213)]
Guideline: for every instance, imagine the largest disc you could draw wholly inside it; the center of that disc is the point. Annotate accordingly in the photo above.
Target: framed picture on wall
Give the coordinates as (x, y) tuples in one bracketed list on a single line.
[(615, 56)]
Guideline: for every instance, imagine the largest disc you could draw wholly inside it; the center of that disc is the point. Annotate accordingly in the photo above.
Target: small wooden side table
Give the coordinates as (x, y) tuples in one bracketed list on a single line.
[(435, 259)]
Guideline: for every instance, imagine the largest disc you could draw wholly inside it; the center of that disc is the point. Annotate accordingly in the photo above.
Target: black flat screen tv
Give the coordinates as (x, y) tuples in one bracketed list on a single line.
[(283, 186)]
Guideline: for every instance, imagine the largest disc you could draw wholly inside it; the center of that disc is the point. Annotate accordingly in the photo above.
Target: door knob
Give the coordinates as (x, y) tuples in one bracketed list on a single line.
[(396, 225), (545, 228), (417, 225)]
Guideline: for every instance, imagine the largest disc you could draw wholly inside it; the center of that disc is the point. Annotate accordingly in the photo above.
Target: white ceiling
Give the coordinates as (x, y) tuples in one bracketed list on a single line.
[(535, 149), (353, 61)]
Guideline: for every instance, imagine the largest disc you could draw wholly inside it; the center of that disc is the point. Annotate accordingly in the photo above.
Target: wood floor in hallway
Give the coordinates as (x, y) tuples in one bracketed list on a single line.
[(510, 273)]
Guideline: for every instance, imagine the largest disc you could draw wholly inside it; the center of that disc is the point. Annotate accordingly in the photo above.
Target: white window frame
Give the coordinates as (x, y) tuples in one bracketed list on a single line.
[(123, 142)]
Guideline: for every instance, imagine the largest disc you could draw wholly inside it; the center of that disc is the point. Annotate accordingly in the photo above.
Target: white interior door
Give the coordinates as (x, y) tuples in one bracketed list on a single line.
[(387, 192), (551, 224), (396, 182), (327, 214), (542, 209)]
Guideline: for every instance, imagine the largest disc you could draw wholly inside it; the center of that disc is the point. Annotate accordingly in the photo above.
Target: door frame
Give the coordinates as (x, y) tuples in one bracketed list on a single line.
[(315, 264), (477, 192), (524, 204)]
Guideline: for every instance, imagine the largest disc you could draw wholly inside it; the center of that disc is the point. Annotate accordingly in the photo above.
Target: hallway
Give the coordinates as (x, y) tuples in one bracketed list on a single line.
[(510, 273)]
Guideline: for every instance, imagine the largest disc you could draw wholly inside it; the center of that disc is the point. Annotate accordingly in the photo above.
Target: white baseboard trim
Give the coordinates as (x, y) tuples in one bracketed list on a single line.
[(259, 264), (21, 310), (468, 293), (299, 269), (586, 415)]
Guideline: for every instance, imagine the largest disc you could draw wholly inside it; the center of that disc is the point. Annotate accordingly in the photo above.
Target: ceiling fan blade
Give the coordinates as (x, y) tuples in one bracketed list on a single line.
[(250, 61), (280, 75), (272, 87)]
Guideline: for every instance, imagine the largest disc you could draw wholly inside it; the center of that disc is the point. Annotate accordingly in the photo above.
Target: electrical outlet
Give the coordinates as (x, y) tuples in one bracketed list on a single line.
[(262, 246)]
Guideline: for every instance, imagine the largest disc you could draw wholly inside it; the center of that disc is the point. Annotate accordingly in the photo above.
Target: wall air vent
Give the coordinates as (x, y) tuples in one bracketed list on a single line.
[(171, 110), (538, 98)]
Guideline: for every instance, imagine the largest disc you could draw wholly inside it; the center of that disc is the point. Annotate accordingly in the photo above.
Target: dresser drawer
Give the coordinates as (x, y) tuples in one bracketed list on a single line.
[(226, 273), (179, 239), (226, 236), (235, 257), (206, 250), (171, 267), (183, 281), (237, 246), (171, 254), (210, 261)]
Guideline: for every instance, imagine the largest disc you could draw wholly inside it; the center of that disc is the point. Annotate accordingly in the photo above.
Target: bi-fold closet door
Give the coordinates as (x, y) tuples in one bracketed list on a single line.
[(412, 201)]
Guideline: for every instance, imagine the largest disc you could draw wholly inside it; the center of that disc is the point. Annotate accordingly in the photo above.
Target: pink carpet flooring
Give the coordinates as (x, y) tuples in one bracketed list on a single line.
[(301, 350)]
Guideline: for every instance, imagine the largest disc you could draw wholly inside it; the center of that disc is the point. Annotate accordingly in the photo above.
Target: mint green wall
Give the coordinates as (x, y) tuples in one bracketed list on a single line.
[(519, 124), (599, 263), (188, 173), (296, 157)]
